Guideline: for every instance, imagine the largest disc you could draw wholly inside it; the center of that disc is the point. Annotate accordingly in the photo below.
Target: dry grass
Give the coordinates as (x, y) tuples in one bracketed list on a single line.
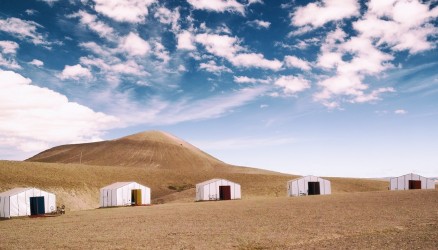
[(369, 220), (77, 186)]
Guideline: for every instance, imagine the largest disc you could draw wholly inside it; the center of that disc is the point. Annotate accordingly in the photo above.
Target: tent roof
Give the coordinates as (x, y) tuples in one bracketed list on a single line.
[(410, 174), (302, 177), (213, 180), (15, 191), (117, 185)]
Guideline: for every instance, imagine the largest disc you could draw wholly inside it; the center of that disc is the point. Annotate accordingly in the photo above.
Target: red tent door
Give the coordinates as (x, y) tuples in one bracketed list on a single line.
[(414, 184), (224, 193)]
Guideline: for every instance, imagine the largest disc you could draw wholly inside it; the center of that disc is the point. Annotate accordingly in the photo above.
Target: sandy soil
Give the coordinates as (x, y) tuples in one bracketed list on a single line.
[(367, 220)]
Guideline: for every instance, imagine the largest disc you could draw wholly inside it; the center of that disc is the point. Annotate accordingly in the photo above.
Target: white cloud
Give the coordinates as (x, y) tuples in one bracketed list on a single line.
[(34, 118), (161, 52), (319, 13), (219, 45), (185, 41), (401, 24), (259, 24), (218, 5), (23, 29), (75, 72), (249, 60), (134, 45), (182, 68), (164, 15), (31, 12), (133, 11), (159, 111), (245, 79), (363, 59), (8, 47), (263, 106), (9, 62), (254, 2), (292, 84), (37, 63), (295, 62), (400, 112), (90, 21), (300, 31), (228, 47), (373, 96), (211, 66), (49, 2), (113, 67)]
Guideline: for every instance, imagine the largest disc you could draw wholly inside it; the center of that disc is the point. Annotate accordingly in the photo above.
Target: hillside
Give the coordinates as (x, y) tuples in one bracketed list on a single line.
[(151, 150), (170, 166)]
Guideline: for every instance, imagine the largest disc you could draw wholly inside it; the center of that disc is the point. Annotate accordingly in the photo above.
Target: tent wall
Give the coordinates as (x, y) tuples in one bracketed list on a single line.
[(209, 190), (300, 186), (112, 196), (18, 204), (402, 182)]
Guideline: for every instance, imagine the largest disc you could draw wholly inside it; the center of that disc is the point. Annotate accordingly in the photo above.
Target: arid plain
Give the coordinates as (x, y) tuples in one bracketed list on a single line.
[(368, 220)]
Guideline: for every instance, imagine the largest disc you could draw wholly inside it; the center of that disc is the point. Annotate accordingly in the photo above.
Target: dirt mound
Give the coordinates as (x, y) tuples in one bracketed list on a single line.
[(152, 150)]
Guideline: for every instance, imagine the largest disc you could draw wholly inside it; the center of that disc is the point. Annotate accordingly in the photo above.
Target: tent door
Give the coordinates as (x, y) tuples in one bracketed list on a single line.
[(37, 205), (136, 197), (414, 184), (224, 192), (313, 188)]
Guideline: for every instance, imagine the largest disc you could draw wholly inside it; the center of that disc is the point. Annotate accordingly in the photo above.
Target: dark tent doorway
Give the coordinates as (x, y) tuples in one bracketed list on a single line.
[(136, 197), (37, 205), (414, 184), (224, 192), (313, 188)]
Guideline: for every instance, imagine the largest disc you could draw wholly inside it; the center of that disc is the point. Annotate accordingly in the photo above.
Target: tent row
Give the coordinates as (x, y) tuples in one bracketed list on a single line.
[(33, 201)]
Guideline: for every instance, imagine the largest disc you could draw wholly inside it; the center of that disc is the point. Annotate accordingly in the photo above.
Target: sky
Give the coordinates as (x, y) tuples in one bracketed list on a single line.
[(328, 88)]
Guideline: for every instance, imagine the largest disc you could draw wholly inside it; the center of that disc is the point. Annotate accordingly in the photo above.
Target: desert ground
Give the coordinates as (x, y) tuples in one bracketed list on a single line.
[(366, 220)]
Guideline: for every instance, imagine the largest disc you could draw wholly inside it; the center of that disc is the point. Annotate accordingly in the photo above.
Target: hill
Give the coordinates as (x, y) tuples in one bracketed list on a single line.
[(170, 166), (151, 150)]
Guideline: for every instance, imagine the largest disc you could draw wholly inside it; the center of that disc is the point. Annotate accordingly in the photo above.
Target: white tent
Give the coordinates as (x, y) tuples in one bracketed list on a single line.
[(124, 194), (308, 185), (26, 201), (217, 189), (411, 181)]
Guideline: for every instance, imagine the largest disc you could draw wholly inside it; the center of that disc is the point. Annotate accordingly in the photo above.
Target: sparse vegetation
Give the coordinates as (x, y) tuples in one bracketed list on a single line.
[(181, 187), (379, 220)]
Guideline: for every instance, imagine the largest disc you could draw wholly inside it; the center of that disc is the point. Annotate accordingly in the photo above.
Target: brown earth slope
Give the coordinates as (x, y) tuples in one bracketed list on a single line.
[(170, 166), (151, 150)]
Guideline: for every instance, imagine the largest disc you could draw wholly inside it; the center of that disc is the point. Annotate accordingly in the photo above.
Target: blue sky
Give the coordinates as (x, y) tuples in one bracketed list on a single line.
[(330, 88)]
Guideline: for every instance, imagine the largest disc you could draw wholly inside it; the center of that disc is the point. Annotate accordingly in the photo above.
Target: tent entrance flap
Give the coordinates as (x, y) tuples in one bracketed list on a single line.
[(136, 197), (37, 205), (414, 184), (224, 192), (314, 188)]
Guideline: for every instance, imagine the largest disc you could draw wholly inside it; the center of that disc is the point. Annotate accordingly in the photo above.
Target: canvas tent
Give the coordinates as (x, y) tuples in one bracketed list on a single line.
[(308, 185), (26, 201), (124, 194), (217, 189), (411, 181)]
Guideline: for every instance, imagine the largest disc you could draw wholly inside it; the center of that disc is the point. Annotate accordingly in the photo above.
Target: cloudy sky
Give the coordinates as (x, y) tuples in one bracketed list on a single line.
[(331, 88)]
